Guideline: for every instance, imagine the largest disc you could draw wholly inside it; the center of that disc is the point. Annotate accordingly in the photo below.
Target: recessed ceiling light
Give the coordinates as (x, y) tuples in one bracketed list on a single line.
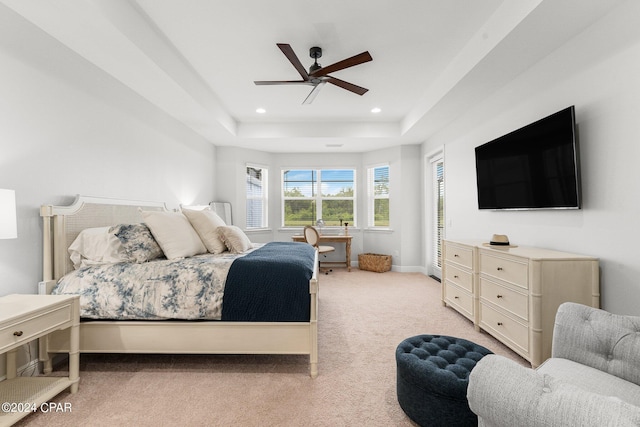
[(375, 110), (261, 110)]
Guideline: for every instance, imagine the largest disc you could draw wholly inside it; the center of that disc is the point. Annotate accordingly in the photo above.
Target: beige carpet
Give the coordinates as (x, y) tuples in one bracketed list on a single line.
[(363, 317)]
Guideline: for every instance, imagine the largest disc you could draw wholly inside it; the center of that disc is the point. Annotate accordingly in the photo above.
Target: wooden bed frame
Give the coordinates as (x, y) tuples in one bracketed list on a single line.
[(62, 224)]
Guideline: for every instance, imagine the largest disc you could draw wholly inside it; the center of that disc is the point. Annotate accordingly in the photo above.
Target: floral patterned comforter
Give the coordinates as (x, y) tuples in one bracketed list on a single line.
[(190, 288)]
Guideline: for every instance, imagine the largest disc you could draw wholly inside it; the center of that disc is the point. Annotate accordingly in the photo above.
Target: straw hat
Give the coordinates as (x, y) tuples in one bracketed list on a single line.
[(499, 240)]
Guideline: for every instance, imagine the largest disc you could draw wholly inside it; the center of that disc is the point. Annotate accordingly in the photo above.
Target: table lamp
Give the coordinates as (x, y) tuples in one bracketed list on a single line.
[(8, 225)]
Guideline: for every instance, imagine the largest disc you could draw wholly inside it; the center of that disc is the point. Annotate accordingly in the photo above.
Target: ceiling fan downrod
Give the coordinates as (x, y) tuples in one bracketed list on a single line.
[(315, 52)]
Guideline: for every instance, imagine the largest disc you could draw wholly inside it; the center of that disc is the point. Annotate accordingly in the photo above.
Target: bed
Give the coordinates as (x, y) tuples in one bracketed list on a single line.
[(235, 333)]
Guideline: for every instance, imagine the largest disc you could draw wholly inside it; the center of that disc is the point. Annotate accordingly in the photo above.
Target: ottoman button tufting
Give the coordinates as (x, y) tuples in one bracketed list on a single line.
[(433, 376)]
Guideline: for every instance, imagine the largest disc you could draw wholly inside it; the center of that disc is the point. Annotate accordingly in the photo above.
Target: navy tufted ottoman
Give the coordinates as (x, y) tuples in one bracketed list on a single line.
[(432, 379)]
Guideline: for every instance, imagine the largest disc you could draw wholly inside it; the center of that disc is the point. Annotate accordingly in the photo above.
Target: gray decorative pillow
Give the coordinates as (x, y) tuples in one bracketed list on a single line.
[(237, 242), (138, 242)]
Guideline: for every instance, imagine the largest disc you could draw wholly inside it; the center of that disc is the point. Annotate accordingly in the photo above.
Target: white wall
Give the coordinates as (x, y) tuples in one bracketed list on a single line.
[(66, 128), (598, 73)]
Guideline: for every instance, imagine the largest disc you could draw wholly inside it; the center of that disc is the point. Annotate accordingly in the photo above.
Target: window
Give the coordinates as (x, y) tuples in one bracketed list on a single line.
[(437, 213), (309, 195), (256, 197), (378, 191)]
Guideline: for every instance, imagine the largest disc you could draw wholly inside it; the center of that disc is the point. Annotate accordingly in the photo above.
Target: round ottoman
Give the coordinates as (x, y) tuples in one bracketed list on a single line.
[(432, 379)]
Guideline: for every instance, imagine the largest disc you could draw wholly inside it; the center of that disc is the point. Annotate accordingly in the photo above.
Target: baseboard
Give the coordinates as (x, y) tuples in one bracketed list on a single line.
[(409, 269)]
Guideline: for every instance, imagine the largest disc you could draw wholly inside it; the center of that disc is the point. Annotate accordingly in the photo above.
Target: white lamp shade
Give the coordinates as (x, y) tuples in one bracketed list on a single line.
[(8, 225)]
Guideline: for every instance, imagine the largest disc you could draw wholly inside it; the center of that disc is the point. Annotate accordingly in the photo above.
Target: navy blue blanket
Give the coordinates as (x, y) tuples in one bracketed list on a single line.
[(270, 284)]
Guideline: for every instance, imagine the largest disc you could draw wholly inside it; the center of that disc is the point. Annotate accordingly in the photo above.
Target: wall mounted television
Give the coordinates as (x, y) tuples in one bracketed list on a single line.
[(534, 167)]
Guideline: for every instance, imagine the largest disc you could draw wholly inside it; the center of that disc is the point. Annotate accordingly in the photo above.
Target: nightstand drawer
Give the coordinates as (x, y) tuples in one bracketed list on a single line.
[(459, 255), (501, 324), (26, 329), (505, 269), (462, 278), (507, 299)]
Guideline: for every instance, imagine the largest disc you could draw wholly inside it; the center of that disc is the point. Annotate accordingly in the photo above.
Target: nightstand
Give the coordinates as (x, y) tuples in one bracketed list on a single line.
[(24, 318)]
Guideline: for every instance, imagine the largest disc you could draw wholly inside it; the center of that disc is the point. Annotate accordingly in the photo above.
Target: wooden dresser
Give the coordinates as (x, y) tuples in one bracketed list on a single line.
[(513, 293)]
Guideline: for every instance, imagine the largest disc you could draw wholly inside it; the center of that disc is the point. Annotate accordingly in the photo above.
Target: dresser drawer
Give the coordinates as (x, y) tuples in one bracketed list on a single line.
[(505, 269), (507, 328), (514, 302), (461, 255), (457, 297), (460, 277), (26, 329)]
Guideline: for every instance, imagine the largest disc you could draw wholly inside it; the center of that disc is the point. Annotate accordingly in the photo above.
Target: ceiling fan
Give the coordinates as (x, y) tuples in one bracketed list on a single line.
[(318, 75)]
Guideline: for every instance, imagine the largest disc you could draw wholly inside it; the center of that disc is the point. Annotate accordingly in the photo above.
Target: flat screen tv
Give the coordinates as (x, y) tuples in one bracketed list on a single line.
[(534, 167)]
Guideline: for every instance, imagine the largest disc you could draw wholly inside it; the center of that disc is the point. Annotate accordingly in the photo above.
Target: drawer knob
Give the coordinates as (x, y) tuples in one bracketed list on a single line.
[(456, 297), (456, 256), (499, 296), (499, 268), (499, 323), (455, 277), (17, 333)]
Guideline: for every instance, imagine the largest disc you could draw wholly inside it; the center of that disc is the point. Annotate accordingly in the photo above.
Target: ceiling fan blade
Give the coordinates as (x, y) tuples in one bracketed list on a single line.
[(309, 99), (341, 65), (291, 56), (346, 85), (281, 82)]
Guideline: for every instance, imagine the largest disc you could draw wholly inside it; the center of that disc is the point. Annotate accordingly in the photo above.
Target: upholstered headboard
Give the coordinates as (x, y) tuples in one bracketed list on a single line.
[(62, 224)]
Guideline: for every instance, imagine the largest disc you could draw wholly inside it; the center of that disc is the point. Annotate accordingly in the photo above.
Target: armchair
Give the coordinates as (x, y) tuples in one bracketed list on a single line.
[(591, 379)]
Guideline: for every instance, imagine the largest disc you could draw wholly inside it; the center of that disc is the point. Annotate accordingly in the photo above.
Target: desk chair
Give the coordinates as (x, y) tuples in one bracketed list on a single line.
[(312, 237)]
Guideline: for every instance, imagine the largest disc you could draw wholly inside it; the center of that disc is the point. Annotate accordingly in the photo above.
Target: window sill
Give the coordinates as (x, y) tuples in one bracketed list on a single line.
[(257, 230), (378, 230), (329, 231)]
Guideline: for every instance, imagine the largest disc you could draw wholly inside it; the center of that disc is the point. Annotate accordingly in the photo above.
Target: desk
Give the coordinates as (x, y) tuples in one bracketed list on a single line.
[(329, 238)]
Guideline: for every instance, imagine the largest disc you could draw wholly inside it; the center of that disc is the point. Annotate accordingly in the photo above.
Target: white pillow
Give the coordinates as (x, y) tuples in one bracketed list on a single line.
[(174, 234), (234, 238), (95, 246), (206, 223)]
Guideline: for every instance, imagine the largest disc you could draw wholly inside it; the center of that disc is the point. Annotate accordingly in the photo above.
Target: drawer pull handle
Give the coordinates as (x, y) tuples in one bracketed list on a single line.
[(456, 297), (455, 277), (499, 268), (499, 323), (456, 256), (17, 333), (499, 296)]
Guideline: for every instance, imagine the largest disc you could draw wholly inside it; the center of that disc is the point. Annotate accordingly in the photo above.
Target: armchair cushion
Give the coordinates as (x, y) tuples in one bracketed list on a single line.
[(591, 379), (503, 393)]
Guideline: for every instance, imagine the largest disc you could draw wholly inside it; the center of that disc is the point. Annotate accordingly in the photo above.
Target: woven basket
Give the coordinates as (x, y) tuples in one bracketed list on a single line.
[(374, 262)]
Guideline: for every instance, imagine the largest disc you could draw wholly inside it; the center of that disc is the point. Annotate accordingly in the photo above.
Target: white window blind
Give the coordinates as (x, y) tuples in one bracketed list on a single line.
[(437, 168), (256, 178), (312, 194), (378, 192)]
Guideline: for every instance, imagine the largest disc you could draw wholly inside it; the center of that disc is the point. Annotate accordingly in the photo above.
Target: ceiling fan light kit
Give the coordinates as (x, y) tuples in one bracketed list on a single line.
[(319, 75)]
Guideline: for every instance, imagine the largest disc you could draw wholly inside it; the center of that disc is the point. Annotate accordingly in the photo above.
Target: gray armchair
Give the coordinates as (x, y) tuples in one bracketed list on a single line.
[(591, 379)]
